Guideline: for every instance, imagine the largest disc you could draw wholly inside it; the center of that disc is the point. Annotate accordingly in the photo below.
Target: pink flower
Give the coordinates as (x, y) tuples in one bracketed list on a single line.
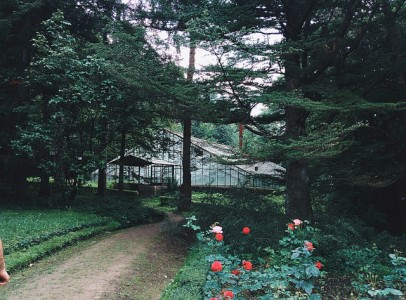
[(216, 266), (213, 298), (309, 245), (297, 222), (318, 265), (217, 229), (228, 294), (291, 226), (246, 230), (247, 265), (219, 237)]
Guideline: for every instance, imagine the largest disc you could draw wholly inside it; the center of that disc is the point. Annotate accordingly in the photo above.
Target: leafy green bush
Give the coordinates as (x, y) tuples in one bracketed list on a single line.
[(230, 276), (237, 209), (126, 210), (368, 284)]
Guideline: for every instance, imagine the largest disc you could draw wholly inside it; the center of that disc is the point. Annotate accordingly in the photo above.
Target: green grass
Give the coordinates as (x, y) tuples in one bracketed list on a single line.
[(23, 258), (189, 282), (20, 229), (29, 235)]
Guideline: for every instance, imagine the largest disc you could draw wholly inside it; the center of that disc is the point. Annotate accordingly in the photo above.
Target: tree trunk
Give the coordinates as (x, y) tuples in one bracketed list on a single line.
[(102, 178), (59, 174), (101, 182), (121, 170), (44, 188), (185, 202), (298, 202)]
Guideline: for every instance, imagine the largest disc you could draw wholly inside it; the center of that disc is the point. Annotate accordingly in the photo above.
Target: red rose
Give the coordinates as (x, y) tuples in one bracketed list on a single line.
[(235, 272), (291, 226), (246, 230), (318, 265), (228, 294), (309, 245), (216, 266), (219, 237), (247, 265)]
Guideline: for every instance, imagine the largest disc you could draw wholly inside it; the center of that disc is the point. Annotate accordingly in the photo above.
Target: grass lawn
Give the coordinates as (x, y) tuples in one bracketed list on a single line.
[(31, 234)]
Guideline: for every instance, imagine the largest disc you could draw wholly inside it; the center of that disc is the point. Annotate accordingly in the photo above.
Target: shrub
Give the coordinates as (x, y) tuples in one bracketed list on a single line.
[(292, 277)]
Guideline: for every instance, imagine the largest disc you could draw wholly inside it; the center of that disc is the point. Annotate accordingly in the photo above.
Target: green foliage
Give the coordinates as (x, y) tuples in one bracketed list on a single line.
[(125, 210), (345, 245), (189, 282), (370, 284), (29, 235), (21, 259), (239, 208), (23, 228), (292, 275)]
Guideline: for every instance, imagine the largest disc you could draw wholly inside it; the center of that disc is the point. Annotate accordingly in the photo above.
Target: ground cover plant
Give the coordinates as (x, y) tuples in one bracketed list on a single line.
[(356, 260), (30, 234)]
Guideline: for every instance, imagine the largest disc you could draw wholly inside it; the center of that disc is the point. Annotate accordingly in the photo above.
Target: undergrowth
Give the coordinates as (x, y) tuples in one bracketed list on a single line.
[(355, 256)]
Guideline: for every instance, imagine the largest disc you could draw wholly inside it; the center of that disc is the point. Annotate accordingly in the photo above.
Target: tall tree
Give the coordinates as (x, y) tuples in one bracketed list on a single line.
[(313, 107), (173, 16), (20, 20)]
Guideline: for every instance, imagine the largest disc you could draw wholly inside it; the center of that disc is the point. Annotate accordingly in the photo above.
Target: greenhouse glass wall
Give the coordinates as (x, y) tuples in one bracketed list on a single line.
[(212, 164)]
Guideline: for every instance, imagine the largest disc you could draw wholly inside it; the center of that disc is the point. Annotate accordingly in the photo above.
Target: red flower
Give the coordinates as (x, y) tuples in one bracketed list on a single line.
[(246, 230), (216, 266), (291, 226), (247, 265), (228, 294), (219, 237), (309, 245), (213, 298), (318, 265), (235, 272)]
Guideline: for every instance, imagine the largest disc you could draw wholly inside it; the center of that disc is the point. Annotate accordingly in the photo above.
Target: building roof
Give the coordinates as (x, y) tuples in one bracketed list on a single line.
[(130, 160), (230, 157), (136, 161)]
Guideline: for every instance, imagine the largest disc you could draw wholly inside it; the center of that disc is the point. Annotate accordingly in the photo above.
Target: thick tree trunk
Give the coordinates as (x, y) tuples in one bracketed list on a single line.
[(121, 169), (298, 202), (397, 43), (101, 182), (44, 188), (185, 202)]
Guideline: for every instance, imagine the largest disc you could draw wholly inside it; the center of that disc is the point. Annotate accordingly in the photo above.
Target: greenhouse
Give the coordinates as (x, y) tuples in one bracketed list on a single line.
[(212, 164)]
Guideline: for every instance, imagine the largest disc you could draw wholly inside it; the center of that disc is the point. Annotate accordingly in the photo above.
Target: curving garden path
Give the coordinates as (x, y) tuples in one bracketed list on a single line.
[(135, 263)]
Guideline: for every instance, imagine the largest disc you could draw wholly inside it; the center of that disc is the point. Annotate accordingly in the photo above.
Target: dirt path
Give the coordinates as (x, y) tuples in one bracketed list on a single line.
[(135, 263)]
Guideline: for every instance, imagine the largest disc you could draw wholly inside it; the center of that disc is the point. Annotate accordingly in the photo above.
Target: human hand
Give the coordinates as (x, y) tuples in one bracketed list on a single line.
[(4, 277)]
